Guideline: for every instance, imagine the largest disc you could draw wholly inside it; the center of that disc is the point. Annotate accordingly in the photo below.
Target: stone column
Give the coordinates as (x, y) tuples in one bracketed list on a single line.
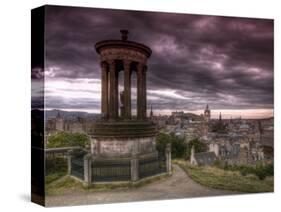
[(127, 88), (140, 91), (116, 95), (168, 159), (104, 90), (87, 169), (134, 168), (113, 108), (144, 92)]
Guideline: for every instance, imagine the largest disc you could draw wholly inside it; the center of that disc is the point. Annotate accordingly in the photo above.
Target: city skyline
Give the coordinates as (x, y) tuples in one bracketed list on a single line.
[(225, 62), (226, 114)]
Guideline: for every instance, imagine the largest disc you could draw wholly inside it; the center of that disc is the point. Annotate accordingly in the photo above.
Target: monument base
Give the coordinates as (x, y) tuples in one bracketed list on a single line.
[(120, 151), (123, 139)]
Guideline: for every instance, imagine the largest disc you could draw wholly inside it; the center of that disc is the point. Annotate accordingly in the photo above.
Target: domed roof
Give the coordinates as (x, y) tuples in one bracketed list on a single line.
[(123, 43)]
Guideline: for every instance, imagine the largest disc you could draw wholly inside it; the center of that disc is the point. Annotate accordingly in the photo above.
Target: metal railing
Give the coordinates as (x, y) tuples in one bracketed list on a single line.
[(112, 170), (104, 171), (151, 166), (77, 167)]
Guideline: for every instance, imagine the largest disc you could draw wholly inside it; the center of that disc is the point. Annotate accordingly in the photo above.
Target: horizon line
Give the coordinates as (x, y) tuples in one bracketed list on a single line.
[(260, 113)]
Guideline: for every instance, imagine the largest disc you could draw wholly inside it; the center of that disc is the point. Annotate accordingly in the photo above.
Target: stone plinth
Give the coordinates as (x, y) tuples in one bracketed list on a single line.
[(123, 139), (123, 129)]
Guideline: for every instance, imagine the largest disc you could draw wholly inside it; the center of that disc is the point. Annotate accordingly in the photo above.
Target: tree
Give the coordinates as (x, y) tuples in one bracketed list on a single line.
[(199, 146), (162, 140), (178, 144), (65, 139)]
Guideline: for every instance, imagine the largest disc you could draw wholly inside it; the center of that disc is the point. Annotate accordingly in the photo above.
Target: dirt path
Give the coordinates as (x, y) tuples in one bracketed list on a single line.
[(179, 185)]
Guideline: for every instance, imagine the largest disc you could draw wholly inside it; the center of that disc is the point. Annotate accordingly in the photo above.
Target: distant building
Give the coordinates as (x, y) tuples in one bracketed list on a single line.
[(177, 113), (73, 125), (236, 150), (55, 124), (202, 158), (266, 129), (207, 113), (59, 123)]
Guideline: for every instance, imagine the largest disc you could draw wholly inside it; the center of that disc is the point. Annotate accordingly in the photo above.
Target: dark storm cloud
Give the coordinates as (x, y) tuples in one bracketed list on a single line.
[(58, 103), (227, 62), (37, 73)]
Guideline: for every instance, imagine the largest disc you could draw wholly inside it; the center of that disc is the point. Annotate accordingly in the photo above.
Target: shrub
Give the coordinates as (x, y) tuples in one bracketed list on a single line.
[(162, 140), (198, 147), (260, 170), (179, 146), (219, 164), (243, 172), (56, 165), (65, 139), (269, 169)]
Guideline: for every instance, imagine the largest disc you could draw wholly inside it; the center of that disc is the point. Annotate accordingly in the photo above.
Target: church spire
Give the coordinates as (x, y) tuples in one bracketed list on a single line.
[(207, 113)]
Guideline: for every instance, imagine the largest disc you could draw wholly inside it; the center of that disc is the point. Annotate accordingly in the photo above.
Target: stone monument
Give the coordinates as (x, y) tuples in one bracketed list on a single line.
[(118, 133), (123, 147)]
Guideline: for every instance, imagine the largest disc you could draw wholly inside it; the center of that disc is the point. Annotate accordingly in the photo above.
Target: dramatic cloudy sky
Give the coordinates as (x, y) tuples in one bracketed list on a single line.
[(223, 61)]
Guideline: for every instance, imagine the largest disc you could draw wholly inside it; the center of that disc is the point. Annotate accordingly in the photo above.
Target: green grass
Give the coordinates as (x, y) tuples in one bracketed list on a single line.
[(54, 176), (227, 180), (56, 168), (68, 185), (65, 185)]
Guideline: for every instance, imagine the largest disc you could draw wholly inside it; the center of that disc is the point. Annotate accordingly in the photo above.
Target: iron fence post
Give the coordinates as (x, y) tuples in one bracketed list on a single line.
[(69, 155)]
